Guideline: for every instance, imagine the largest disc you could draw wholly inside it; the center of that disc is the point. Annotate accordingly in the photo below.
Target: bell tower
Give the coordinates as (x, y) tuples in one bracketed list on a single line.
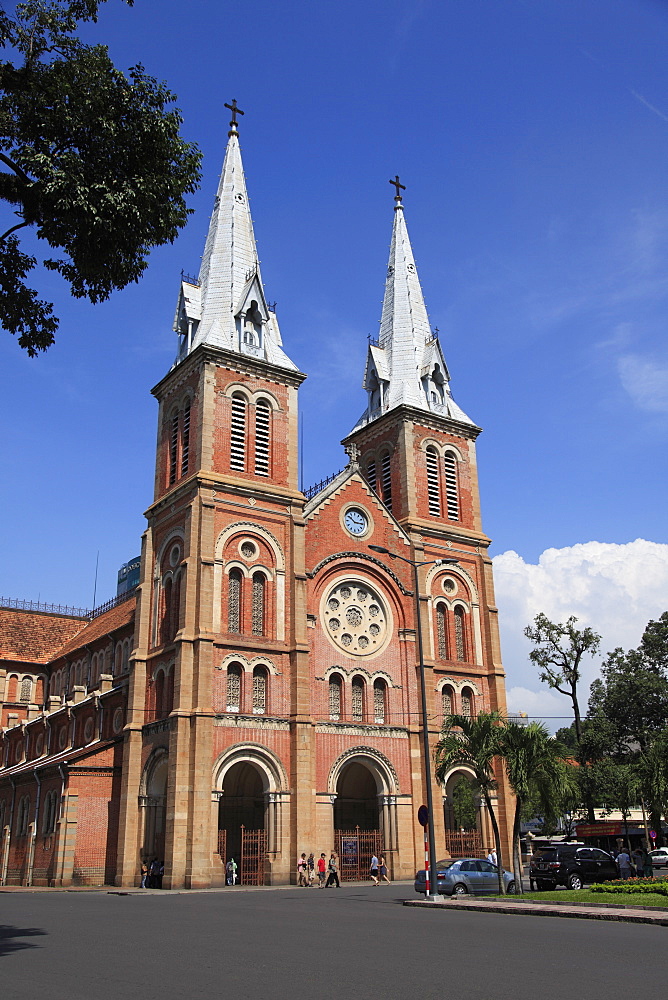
[(223, 556)]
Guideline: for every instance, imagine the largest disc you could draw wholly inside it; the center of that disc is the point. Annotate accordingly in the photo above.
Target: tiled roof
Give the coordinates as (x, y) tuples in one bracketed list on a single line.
[(33, 636), (122, 614)]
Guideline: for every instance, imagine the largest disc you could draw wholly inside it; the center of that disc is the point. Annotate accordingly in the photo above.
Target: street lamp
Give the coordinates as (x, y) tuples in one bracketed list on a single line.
[(433, 894)]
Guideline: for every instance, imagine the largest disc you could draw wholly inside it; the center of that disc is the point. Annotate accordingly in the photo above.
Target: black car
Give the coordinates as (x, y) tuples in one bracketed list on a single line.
[(571, 866)]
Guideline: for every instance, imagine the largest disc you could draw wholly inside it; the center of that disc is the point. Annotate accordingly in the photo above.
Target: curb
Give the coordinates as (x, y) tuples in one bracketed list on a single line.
[(605, 912)]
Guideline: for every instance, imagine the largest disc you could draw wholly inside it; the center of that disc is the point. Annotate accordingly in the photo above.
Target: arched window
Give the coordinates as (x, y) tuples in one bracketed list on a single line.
[(12, 688), (185, 439), (234, 601), (371, 475), (238, 433), (233, 687), (118, 659), (259, 691), (168, 694), (166, 623), (159, 693), (467, 702), (386, 480), (175, 610), (258, 603), (442, 630), (173, 446), (50, 813), (26, 689), (451, 486), (447, 701), (39, 691), (262, 437), (335, 686), (126, 655), (433, 485), (460, 633), (379, 701), (23, 817), (357, 699)]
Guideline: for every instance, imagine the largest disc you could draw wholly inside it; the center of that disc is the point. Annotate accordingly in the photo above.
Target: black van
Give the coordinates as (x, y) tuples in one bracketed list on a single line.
[(571, 866)]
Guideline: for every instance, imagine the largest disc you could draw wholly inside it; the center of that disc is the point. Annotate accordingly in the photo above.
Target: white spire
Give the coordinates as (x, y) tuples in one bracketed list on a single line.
[(407, 365), (226, 307)]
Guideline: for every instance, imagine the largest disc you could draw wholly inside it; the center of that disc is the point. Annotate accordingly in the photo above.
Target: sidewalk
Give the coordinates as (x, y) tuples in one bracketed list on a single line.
[(581, 911)]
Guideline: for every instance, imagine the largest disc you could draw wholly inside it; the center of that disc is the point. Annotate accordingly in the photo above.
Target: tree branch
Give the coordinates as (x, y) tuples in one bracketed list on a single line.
[(17, 170), (20, 225)]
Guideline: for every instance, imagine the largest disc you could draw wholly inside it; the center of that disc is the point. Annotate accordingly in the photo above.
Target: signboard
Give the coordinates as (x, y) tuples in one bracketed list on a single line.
[(423, 816), (604, 829), (652, 834)]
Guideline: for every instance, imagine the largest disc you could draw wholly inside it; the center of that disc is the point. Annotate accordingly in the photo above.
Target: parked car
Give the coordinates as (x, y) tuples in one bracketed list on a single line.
[(571, 866), (659, 857), (459, 876)]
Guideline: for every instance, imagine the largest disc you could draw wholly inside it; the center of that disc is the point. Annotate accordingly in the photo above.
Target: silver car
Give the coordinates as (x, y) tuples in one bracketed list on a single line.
[(459, 876)]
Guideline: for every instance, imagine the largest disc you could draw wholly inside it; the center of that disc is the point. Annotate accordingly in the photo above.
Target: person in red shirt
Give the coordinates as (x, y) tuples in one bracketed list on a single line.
[(322, 868)]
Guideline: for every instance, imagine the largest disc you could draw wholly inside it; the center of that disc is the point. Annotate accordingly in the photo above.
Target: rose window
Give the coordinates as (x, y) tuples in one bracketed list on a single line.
[(355, 619)]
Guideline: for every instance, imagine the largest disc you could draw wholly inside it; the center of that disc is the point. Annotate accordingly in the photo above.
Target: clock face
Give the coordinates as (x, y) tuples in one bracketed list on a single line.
[(355, 521)]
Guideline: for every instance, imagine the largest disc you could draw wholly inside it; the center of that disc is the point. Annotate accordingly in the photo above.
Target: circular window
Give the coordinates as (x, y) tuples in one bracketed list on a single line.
[(39, 744), (248, 549), (117, 721), (356, 618), (89, 729), (19, 752), (174, 555), (62, 738), (449, 585)]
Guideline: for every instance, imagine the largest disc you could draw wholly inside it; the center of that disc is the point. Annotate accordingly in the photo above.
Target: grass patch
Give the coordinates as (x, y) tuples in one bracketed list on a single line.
[(587, 896)]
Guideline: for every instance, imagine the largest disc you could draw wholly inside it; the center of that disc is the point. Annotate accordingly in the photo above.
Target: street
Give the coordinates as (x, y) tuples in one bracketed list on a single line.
[(302, 943)]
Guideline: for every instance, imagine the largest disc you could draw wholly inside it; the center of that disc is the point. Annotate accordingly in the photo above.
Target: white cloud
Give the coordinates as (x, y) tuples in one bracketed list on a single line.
[(615, 589), (645, 381)]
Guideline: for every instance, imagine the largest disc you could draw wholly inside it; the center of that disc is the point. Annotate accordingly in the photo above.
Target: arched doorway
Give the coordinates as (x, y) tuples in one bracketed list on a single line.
[(241, 821), (154, 803), (357, 825), (462, 815)]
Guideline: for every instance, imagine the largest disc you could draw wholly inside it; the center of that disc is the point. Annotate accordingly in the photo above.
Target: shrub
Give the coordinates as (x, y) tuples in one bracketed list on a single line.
[(658, 886)]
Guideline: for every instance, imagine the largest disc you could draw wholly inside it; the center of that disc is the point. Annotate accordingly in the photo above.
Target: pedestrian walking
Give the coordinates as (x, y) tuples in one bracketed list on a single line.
[(302, 868), (624, 864), (144, 874), (383, 870), (322, 870), (373, 870), (310, 863), (491, 856), (154, 874), (333, 872), (231, 872)]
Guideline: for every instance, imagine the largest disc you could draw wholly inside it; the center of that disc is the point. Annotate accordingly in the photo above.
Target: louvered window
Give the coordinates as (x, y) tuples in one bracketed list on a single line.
[(441, 631), (386, 480), (335, 697), (433, 487), (173, 447), (371, 475), (233, 687), (259, 691), (234, 601), (379, 702), (185, 440), (262, 439), (238, 434), (451, 487), (446, 695), (358, 699), (467, 703), (258, 604), (460, 643)]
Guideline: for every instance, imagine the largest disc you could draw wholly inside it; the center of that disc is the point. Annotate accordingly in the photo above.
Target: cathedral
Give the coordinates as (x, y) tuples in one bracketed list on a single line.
[(258, 693)]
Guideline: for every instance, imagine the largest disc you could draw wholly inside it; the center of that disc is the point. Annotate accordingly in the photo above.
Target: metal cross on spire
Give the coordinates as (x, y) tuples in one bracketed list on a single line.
[(397, 187), (235, 111)]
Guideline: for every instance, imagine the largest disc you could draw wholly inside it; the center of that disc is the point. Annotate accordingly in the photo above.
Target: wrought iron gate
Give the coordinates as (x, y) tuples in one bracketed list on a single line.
[(222, 845), (355, 849), (463, 845), (253, 857)]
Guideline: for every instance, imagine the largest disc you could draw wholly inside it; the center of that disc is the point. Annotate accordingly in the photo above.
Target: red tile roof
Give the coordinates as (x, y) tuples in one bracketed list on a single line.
[(34, 636), (122, 614)]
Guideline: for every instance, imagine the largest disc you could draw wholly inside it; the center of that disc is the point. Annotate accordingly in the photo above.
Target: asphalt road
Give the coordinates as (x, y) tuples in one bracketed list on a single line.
[(289, 943)]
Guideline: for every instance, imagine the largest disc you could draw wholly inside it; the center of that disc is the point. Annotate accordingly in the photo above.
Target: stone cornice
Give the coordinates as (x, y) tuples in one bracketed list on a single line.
[(243, 364)]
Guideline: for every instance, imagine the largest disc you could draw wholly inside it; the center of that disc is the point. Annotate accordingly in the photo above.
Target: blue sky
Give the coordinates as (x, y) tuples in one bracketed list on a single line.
[(533, 140)]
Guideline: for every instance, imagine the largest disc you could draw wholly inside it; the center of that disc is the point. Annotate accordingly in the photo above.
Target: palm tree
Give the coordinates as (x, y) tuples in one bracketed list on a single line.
[(473, 743), (536, 764)]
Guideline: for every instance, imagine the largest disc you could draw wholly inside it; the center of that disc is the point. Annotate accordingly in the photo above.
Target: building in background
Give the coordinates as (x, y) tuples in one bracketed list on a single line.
[(258, 695), (128, 576)]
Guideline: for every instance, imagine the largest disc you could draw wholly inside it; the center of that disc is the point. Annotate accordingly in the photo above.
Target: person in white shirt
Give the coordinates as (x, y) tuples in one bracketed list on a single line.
[(491, 857)]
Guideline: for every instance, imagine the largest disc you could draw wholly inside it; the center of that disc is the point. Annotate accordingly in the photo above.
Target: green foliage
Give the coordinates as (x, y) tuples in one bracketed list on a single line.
[(464, 805), (633, 885), (96, 162)]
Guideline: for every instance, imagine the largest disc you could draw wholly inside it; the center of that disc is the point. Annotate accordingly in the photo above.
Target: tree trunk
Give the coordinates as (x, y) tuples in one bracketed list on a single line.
[(497, 840), (517, 850)]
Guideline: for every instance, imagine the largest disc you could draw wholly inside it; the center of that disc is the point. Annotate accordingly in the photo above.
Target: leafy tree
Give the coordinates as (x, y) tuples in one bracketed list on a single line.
[(535, 766), (464, 805), (474, 743), (95, 163), (558, 655)]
